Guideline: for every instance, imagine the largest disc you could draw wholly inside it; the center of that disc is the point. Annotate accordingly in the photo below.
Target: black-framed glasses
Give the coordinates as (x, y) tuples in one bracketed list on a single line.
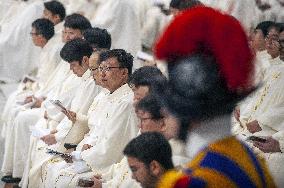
[(93, 69), (34, 34), (106, 69)]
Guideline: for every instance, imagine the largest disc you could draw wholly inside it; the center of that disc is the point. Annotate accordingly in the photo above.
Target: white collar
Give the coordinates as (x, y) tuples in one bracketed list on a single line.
[(207, 132)]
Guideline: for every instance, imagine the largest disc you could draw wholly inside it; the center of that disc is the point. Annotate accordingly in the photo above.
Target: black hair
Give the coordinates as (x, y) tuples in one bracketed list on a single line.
[(148, 147), (98, 38), (264, 27), (152, 105), (184, 4), (56, 7), (281, 27), (44, 27), (75, 50), (77, 21), (148, 76), (197, 92), (125, 60)]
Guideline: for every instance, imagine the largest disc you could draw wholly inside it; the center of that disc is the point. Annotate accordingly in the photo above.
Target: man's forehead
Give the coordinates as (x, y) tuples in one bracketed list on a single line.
[(69, 29), (109, 61)]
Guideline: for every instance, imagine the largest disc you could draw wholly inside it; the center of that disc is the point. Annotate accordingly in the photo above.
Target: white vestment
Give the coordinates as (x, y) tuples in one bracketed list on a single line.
[(112, 118), (18, 54), (267, 108), (122, 20)]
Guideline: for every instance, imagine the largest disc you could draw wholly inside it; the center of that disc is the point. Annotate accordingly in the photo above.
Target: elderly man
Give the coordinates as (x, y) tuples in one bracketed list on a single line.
[(111, 117), (206, 79)]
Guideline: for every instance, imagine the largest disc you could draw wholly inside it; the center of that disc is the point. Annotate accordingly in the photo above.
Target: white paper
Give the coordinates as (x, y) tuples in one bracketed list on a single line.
[(39, 132)]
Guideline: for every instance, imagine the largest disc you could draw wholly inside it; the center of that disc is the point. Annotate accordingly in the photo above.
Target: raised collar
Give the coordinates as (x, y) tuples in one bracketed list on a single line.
[(206, 133)]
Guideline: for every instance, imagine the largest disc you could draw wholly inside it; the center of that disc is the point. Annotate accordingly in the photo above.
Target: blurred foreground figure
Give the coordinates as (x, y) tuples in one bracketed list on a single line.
[(209, 72)]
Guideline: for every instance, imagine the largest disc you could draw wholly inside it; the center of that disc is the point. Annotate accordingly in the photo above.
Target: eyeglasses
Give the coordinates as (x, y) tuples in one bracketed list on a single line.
[(106, 69), (34, 34), (93, 69), (144, 119)]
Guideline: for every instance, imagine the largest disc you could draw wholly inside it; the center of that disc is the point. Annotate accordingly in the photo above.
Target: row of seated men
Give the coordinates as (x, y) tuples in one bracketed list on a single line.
[(34, 106)]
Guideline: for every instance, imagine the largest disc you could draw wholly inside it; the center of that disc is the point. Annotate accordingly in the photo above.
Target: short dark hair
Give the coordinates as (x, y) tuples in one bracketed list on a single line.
[(124, 59), (77, 21), (75, 50), (184, 4), (148, 147), (152, 105), (98, 38), (281, 27), (148, 76), (264, 27), (56, 7), (44, 27)]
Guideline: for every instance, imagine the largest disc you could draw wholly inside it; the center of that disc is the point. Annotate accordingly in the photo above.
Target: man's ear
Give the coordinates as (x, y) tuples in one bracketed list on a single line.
[(57, 18), (85, 61), (125, 72), (155, 168)]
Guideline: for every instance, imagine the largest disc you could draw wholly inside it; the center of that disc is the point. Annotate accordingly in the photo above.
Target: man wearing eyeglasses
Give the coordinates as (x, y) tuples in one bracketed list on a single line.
[(111, 120), (264, 116)]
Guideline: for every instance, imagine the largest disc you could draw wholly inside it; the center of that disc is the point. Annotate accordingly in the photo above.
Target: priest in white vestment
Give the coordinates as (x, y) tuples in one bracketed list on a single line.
[(151, 120), (111, 118), (266, 119), (15, 39), (122, 19), (42, 31)]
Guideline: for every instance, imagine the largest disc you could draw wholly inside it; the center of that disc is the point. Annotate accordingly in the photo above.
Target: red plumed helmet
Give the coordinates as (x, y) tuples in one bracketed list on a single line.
[(204, 30)]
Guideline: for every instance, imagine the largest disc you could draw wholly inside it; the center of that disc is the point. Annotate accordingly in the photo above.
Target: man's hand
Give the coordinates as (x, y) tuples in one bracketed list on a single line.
[(253, 127), (269, 146), (37, 103), (28, 99), (237, 113), (49, 139), (71, 115), (86, 146), (67, 159), (97, 181)]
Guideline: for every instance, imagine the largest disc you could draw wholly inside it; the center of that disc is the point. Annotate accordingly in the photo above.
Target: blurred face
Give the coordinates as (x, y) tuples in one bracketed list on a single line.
[(69, 34), (93, 63), (78, 69), (141, 173), (172, 125), (112, 75), (139, 93), (37, 38), (281, 42), (147, 123), (272, 43), (258, 40), (53, 18)]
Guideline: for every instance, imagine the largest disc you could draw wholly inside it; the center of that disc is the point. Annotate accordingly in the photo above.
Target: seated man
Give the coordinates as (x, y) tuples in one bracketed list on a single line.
[(111, 117), (149, 156), (42, 31), (152, 118), (265, 117), (207, 77)]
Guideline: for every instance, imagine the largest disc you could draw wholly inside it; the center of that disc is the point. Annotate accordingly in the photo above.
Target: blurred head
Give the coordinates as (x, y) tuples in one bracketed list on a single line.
[(93, 64), (54, 11), (176, 6), (154, 117), (115, 66), (207, 77), (42, 31), (77, 52), (149, 156), (74, 26), (281, 42), (259, 35), (98, 38), (144, 80), (272, 41)]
